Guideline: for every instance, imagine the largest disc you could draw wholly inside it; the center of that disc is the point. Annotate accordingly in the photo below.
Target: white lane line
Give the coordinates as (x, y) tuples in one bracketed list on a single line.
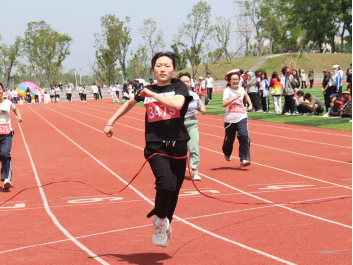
[(285, 137), (282, 150), (283, 170), (276, 183), (277, 149), (224, 184), (49, 212), (176, 217), (252, 122)]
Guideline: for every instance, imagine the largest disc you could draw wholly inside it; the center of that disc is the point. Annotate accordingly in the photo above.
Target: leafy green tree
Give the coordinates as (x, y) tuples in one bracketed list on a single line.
[(8, 58), (153, 40), (182, 55), (113, 43), (138, 64), (197, 30), (223, 29), (45, 48)]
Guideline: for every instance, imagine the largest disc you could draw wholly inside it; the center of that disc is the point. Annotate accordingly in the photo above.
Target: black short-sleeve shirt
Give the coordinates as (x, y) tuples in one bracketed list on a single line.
[(172, 129)]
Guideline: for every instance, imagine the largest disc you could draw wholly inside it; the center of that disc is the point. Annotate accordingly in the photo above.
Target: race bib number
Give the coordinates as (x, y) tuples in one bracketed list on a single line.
[(157, 112), (5, 128), (236, 108)]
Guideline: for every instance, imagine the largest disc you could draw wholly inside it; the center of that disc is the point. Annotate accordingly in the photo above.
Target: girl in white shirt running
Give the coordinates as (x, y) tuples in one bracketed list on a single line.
[(235, 119)]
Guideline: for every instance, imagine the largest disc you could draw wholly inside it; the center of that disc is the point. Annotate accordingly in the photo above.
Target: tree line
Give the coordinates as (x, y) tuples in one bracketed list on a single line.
[(284, 24)]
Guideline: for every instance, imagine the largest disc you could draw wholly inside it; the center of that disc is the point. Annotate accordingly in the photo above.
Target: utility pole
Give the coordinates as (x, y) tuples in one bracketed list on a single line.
[(80, 77), (75, 76)]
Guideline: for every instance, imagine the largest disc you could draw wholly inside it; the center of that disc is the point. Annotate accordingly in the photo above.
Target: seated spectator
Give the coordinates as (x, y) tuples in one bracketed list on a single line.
[(347, 107), (314, 104), (300, 103), (336, 106)]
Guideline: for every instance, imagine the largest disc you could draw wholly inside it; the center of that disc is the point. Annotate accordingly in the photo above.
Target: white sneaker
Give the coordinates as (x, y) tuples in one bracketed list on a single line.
[(326, 115), (228, 158), (169, 232), (245, 163), (195, 176), (7, 184), (160, 237)]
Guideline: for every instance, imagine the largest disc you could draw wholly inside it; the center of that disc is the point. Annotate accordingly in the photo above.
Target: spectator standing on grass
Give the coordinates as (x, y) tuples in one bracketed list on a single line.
[(95, 92), (323, 47), (337, 77), (251, 89), (192, 125), (288, 91), (264, 91), (258, 82), (314, 104), (303, 79), (327, 89), (311, 77), (296, 79), (210, 86), (349, 79), (276, 92)]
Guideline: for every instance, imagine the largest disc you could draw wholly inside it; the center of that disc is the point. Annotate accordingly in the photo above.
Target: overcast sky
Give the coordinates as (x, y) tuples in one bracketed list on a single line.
[(81, 19)]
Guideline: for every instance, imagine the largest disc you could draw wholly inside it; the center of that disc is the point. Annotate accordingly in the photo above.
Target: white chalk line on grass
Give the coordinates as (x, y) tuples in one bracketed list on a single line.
[(49, 212), (252, 122), (149, 201), (277, 149), (283, 170), (224, 184)]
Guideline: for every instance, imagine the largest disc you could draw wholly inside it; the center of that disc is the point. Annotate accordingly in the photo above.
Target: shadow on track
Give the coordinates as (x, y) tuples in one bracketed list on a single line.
[(141, 258)]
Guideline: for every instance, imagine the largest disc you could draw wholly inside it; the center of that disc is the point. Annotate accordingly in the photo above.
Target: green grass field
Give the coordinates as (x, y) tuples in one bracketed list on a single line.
[(214, 107)]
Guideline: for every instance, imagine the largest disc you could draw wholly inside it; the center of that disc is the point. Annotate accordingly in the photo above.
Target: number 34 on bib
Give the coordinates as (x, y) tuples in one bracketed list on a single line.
[(157, 112)]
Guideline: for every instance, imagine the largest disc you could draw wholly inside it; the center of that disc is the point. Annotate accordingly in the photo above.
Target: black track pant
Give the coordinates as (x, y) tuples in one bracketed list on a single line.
[(100, 94), (96, 97), (243, 137), (169, 174), (209, 93), (5, 156), (265, 104), (69, 97), (253, 98), (327, 95), (289, 103)]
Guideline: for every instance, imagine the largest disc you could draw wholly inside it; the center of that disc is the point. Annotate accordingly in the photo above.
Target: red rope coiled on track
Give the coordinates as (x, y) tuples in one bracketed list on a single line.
[(182, 157)]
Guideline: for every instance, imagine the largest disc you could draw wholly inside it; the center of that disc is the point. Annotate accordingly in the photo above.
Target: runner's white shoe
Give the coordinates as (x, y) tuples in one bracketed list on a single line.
[(195, 176), (245, 163), (169, 232), (228, 158), (7, 184), (160, 237)]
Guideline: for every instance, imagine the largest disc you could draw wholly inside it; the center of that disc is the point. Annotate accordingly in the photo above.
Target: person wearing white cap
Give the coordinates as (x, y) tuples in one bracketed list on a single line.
[(202, 90), (337, 77)]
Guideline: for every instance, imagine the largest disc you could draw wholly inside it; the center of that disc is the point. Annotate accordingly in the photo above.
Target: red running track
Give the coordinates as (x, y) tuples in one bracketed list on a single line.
[(80, 226)]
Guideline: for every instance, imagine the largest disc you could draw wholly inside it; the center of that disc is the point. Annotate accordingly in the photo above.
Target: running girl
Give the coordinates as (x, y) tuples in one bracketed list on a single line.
[(166, 104), (235, 119), (192, 125), (6, 134)]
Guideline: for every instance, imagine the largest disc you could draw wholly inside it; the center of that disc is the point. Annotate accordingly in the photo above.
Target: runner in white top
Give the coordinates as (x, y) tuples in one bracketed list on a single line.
[(95, 91), (112, 91), (57, 93), (6, 135), (117, 91), (235, 118), (69, 93)]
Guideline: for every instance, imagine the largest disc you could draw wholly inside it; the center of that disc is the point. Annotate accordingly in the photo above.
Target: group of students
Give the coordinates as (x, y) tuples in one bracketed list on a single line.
[(259, 88), (171, 128)]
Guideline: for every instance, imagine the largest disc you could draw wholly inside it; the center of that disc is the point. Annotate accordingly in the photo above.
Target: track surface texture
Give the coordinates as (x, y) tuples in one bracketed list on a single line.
[(71, 223)]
